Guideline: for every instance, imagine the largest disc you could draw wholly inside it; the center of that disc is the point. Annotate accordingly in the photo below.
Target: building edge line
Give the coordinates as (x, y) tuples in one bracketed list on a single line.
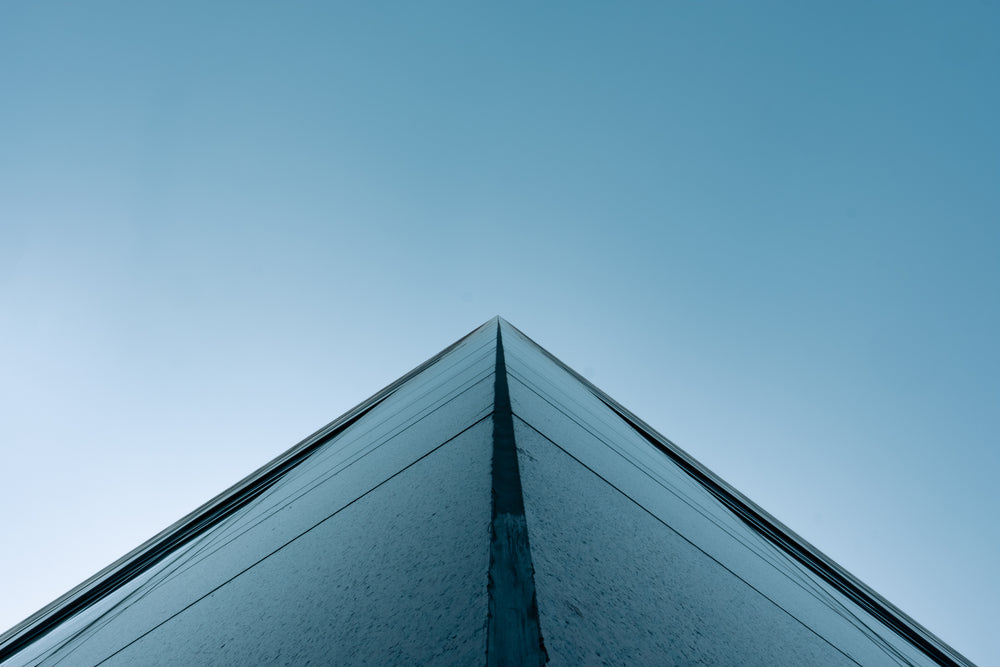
[(775, 531), (195, 523), (513, 631)]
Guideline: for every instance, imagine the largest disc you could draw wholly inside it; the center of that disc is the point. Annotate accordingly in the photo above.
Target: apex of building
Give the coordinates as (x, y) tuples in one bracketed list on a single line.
[(491, 506)]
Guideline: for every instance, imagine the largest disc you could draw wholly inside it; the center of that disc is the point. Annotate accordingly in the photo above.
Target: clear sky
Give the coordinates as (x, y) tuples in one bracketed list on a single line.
[(770, 229)]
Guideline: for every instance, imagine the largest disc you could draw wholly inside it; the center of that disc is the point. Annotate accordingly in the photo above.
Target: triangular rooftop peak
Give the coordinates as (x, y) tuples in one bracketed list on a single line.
[(637, 553)]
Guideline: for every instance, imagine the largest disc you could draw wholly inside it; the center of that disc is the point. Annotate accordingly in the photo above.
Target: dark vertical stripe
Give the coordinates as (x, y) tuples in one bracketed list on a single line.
[(513, 633)]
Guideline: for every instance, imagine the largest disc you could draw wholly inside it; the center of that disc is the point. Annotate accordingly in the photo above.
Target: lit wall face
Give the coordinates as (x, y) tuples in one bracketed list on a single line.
[(374, 548)]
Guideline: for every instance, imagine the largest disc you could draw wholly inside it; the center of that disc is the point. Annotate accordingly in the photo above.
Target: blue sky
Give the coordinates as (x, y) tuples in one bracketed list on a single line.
[(770, 229)]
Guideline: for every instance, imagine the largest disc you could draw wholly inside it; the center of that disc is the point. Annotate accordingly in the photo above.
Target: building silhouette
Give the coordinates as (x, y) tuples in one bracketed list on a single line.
[(491, 506)]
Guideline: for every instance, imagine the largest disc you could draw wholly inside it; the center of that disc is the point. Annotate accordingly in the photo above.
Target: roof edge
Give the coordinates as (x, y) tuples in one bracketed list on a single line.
[(778, 533), (147, 554)]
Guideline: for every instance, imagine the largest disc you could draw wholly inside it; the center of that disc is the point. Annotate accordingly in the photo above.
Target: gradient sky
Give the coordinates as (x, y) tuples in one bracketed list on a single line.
[(770, 229)]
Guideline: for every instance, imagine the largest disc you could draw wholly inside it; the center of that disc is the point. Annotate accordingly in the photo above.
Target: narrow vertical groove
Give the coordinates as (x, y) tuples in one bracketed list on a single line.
[(513, 633)]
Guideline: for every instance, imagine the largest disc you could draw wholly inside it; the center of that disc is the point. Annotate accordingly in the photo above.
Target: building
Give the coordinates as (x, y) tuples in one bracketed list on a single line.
[(491, 506)]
